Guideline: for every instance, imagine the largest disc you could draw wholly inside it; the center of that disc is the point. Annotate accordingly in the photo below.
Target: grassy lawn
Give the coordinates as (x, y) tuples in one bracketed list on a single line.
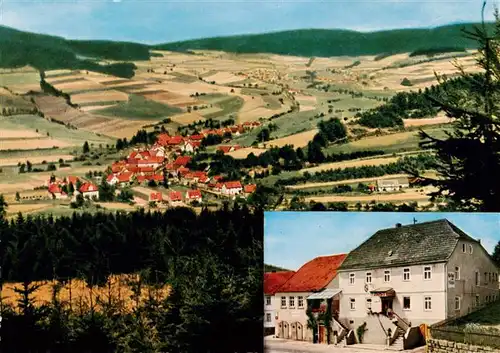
[(14, 102), (138, 107), (228, 104), (481, 327), (56, 131), (272, 101), (398, 142), (183, 78), (16, 78)]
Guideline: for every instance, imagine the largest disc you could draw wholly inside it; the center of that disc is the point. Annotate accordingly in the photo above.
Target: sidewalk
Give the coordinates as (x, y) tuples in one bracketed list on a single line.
[(275, 345)]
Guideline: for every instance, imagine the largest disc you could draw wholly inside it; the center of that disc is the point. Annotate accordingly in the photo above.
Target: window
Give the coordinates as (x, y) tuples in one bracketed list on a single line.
[(470, 249), (489, 278), (463, 248), (368, 277), (283, 302), (368, 303), (406, 303), (353, 304), (477, 278), (268, 300), (387, 275), (268, 317), (301, 301), (427, 303), (478, 300), (406, 274), (457, 273), (352, 276), (486, 278), (457, 303), (427, 272), (291, 302)]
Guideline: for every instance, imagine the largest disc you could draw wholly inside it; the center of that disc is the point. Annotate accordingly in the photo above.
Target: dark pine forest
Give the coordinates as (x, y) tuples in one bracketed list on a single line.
[(212, 263)]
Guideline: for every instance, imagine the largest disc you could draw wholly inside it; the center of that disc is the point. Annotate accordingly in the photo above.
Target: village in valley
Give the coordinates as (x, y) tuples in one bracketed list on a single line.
[(158, 175)]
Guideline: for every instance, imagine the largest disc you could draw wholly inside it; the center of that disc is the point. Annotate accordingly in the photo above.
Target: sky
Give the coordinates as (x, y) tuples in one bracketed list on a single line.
[(293, 238), (161, 21)]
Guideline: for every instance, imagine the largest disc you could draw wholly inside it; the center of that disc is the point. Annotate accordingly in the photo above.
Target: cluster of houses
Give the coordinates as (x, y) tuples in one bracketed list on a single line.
[(70, 187), (386, 290), (165, 161)]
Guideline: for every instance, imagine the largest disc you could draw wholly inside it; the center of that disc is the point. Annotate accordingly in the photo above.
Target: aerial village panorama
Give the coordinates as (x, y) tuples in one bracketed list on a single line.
[(162, 126)]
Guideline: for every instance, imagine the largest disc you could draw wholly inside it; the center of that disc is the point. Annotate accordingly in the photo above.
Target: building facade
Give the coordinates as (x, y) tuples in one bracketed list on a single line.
[(272, 282), (291, 299), (410, 275)]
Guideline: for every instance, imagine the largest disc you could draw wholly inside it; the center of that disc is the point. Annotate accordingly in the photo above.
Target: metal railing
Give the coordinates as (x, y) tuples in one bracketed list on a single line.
[(456, 334)]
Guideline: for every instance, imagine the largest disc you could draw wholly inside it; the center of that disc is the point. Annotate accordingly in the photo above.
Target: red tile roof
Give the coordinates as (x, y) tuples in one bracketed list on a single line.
[(198, 137), (232, 185), (125, 177), (72, 179), (175, 196), (155, 196), (250, 188), (314, 275), (274, 280), (224, 149), (182, 161), (54, 189), (88, 187), (175, 140), (193, 194)]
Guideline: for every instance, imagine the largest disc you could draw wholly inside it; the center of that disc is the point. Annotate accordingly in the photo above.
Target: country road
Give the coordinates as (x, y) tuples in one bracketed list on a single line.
[(273, 345)]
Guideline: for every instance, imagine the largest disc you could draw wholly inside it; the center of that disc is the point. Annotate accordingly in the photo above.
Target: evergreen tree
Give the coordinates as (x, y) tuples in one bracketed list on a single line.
[(469, 159), (86, 148), (3, 206), (496, 254)]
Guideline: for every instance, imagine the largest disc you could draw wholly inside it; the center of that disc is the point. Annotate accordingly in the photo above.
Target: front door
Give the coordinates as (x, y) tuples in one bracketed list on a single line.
[(336, 309), (386, 305), (321, 334)]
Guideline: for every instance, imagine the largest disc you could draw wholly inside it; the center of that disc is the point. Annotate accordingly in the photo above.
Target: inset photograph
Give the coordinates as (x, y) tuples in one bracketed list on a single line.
[(379, 281)]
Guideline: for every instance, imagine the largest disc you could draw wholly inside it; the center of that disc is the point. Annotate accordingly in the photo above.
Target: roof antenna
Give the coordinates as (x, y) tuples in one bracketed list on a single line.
[(414, 220)]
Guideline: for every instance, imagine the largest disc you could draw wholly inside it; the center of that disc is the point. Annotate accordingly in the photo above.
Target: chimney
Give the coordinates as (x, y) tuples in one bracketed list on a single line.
[(479, 241), (398, 225)]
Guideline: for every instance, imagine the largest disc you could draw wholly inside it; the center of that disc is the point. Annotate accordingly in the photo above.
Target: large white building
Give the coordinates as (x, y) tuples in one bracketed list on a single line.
[(272, 282), (415, 274)]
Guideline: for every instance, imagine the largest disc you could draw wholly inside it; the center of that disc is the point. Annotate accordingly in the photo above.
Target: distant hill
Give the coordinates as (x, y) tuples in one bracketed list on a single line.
[(335, 42), (46, 52), (271, 268)]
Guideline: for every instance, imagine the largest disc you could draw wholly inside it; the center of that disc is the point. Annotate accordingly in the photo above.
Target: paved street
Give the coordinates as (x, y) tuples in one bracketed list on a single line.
[(275, 345)]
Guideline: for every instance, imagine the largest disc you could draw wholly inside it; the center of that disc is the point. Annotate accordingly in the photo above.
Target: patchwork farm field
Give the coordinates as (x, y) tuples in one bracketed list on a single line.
[(288, 95)]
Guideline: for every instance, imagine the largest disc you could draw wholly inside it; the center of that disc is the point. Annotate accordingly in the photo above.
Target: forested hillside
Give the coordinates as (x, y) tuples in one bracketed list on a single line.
[(46, 52), (211, 261), (337, 42)]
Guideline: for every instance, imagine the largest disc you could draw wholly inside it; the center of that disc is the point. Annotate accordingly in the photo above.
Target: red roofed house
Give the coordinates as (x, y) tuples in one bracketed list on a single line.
[(175, 140), (314, 284), (122, 179), (193, 195), (272, 282), (55, 191), (155, 197), (182, 161), (175, 198), (89, 190), (249, 189), (163, 139), (231, 188), (191, 146)]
